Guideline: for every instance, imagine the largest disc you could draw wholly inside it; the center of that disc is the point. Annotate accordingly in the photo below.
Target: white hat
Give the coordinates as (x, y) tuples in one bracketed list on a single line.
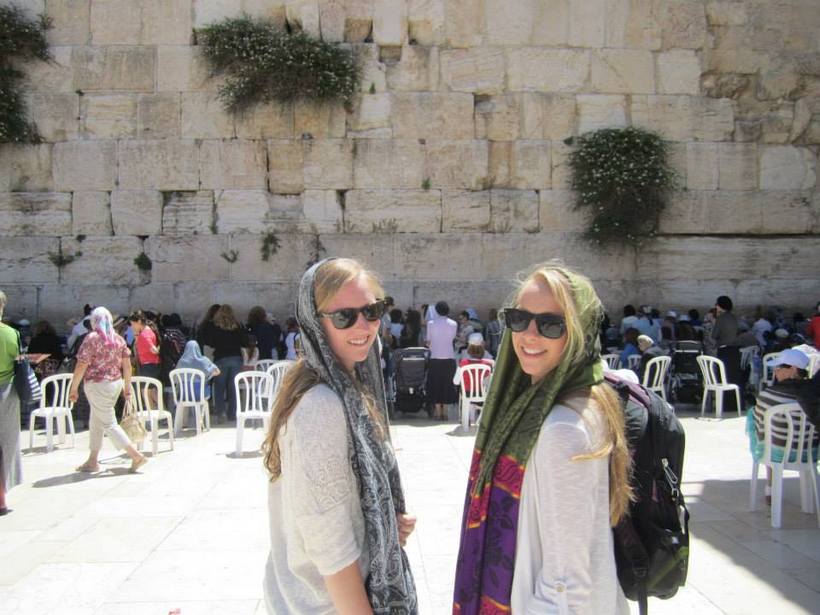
[(671, 314), (792, 358), (781, 333), (475, 339), (684, 318)]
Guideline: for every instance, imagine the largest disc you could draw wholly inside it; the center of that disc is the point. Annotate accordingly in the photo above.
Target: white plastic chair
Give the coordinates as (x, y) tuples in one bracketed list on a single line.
[(747, 355), (714, 381), (633, 362), (149, 412), (788, 423), (262, 365), (654, 378), (611, 360), (478, 375), (54, 406), (814, 364), (188, 387), (255, 404), (768, 369), (277, 372)]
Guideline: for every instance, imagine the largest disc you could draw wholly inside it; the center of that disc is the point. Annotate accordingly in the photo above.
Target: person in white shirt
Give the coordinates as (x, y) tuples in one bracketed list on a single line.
[(441, 332), (550, 471), (337, 512), (79, 329)]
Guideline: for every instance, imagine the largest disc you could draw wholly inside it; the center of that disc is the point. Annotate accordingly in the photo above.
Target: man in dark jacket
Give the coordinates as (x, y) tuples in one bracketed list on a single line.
[(725, 334)]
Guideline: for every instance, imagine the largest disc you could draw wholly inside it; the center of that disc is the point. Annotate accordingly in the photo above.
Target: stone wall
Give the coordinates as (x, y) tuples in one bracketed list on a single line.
[(448, 175)]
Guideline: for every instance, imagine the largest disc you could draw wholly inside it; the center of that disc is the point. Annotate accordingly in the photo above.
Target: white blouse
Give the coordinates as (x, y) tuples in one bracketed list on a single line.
[(316, 522), (564, 560)]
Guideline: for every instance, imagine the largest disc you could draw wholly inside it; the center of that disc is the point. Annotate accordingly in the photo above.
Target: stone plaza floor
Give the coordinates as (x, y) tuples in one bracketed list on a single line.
[(190, 530)]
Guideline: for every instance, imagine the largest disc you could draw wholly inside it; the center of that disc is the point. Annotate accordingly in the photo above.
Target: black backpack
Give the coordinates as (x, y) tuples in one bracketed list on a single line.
[(652, 542)]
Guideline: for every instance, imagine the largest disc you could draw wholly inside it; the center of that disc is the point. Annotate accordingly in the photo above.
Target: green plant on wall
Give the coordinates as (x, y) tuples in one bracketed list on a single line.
[(622, 179), (143, 262), (263, 63), (21, 39), (270, 245)]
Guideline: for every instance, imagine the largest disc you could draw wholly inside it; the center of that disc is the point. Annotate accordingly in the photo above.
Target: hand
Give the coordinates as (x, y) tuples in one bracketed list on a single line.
[(407, 523), (126, 392), (73, 395)]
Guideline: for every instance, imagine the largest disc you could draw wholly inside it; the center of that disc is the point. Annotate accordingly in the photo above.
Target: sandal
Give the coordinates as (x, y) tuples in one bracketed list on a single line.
[(136, 465), (88, 468)]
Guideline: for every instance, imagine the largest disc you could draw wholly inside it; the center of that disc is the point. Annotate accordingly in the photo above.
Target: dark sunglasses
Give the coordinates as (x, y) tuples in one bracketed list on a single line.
[(551, 326), (347, 317)]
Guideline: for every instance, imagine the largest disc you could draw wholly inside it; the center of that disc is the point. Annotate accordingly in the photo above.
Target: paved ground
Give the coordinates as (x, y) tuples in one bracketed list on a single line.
[(190, 531)]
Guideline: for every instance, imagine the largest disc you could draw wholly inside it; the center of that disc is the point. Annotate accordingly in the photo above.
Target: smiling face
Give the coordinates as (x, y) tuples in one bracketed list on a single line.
[(351, 345), (537, 354)]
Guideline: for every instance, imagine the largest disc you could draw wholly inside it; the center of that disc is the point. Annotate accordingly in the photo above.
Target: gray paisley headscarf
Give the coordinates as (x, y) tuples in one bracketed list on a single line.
[(389, 585)]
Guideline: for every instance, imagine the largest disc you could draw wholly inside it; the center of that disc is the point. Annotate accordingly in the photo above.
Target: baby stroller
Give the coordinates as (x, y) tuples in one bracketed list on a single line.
[(410, 378), (685, 377)]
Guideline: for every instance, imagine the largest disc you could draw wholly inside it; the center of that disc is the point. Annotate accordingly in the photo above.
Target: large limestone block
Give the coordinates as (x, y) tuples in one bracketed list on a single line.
[(234, 163), (286, 160), (358, 20), (179, 259), (372, 114), (431, 115), (288, 264), (204, 117), (702, 166), (322, 210), (557, 212), (528, 22), (678, 72), (633, 24), (25, 167), (116, 22), (513, 211), (332, 21), (392, 211), (390, 23), (136, 212), (687, 210), (166, 22), (272, 10), (328, 164), (69, 20), (547, 70), (391, 163), (587, 23), (115, 67), (111, 116), (206, 12), (458, 164), (163, 165), (56, 115), (304, 15), (376, 251), (319, 120), (53, 76), (104, 260), (425, 21), (480, 70), (498, 118), (790, 212), (85, 165), (684, 118), (91, 214), (465, 210), (463, 22), (737, 166), (242, 211), (188, 213), (561, 171), (417, 71), (684, 24), (35, 213), (787, 168), (183, 68), (374, 77), (26, 258), (439, 257), (158, 115), (269, 121), (530, 165), (622, 71), (597, 111), (726, 13), (741, 60), (547, 116), (499, 170)]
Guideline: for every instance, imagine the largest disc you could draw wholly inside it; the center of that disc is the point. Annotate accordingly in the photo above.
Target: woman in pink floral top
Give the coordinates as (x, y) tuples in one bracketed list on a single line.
[(104, 362)]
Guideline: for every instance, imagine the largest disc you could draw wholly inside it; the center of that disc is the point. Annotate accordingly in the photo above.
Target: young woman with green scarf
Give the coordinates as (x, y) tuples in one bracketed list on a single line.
[(550, 468)]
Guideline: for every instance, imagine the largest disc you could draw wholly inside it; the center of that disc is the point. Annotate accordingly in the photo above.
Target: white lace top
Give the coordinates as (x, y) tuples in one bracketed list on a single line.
[(316, 522)]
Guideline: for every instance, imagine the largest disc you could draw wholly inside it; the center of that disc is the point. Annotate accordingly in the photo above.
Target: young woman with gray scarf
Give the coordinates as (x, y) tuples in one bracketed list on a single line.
[(337, 512)]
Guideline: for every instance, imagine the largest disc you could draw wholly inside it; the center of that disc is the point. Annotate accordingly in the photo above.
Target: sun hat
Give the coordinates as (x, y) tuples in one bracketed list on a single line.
[(793, 358)]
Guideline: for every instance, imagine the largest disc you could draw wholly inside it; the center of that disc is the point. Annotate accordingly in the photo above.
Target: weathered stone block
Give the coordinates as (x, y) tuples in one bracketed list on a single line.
[(787, 168), (375, 251), (702, 166), (678, 72), (242, 211), (234, 163), (463, 23), (480, 70), (109, 116), (25, 167), (288, 264), (270, 121), (622, 71), (332, 21), (26, 258), (597, 111), (417, 71), (358, 20), (390, 23), (158, 115), (204, 117), (188, 213), (425, 21), (633, 24), (737, 164), (91, 214), (285, 166), (323, 210), (392, 211), (513, 211), (683, 24), (116, 22), (465, 210), (430, 115), (686, 211), (162, 165), (188, 258), (35, 213), (530, 165), (166, 22), (587, 22), (104, 260), (85, 165), (209, 11), (789, 212), (497, 118), (319, 120), (557, 212), (499, 171), (528, 22), (547, 116), (683, 118), (329, 164), (458, 164), (546, 70), (53, 76), (182, 68), (382, 163), (726, 13), (56, 115), (743, 60), (116, 67), (136, 212), (561, 171), (372, 113), (70, 22)]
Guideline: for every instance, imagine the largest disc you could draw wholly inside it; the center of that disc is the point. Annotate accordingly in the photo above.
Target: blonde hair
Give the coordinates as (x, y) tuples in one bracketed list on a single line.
[(300, 378), (225, 318), (605, 400)]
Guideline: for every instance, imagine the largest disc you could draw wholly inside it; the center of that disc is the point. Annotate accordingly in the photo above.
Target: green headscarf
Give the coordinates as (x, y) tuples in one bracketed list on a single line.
[(515, 408)]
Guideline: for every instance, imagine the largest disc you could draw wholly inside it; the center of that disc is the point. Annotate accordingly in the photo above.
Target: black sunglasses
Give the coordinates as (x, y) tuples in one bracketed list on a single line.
[(551, 326), (347, 317)]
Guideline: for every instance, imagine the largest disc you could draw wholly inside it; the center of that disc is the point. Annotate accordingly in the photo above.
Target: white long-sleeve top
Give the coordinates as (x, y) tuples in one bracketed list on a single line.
[(564, 560)]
